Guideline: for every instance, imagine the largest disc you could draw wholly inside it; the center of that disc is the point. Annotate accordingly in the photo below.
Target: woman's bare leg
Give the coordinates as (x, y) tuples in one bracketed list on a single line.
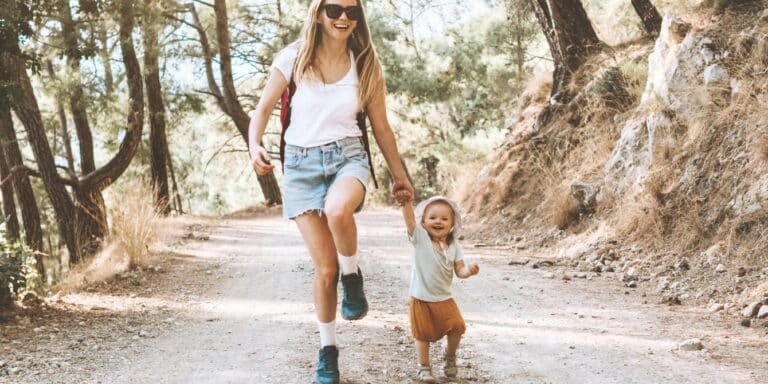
[(319, 241), (344, 196)]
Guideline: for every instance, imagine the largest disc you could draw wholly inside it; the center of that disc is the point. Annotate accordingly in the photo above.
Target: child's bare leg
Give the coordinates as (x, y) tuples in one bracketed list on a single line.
[(422, 351), (453, 344)]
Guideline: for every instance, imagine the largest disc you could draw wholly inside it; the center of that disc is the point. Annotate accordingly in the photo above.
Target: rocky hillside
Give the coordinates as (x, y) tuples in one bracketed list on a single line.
[(656, 173)]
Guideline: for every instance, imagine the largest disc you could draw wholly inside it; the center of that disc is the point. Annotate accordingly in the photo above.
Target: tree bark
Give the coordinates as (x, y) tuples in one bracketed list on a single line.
[(234, 109), (90, 206), (157, 137), (28, 111), (12, 231), (65, 136), (649, 15), (30, 214), (107, 174), (571, 40), (176, 193)]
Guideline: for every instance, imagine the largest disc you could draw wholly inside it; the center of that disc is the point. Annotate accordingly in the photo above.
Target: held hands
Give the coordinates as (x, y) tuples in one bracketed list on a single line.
[(260, 161), (403, 197), (402, 191)]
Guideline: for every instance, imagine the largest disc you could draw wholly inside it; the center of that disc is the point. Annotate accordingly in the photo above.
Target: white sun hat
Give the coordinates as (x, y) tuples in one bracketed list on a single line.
[(456, 213)]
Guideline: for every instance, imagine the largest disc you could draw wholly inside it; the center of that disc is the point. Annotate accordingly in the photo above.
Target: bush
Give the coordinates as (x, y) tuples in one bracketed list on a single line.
[(16, 271)]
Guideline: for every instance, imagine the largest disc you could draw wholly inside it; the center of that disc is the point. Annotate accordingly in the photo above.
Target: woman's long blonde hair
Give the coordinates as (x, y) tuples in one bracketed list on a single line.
[(368, 66)]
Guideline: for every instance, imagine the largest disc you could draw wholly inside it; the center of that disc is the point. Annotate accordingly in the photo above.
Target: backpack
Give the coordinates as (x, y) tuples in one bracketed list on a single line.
[(285, 120)]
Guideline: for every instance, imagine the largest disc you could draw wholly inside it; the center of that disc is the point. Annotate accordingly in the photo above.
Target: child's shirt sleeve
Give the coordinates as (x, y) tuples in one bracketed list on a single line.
[(459, 252), (419, 234)]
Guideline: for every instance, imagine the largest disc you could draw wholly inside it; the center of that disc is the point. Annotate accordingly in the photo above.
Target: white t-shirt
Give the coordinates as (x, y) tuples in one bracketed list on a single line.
[(320, 113), (432, 271)]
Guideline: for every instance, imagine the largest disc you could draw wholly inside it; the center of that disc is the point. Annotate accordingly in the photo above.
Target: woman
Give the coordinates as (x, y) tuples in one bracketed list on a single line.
[(337, 74)]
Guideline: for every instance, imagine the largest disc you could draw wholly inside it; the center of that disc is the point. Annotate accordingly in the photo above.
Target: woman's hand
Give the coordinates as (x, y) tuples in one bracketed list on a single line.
[(260, 161), (402, 191)]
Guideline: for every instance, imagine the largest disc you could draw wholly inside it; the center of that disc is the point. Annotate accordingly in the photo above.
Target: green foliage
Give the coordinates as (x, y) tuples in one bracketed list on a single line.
[(450, 92), (17, 269)]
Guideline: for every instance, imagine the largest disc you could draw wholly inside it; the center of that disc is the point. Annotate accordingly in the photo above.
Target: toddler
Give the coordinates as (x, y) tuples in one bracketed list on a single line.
[(433, 230)]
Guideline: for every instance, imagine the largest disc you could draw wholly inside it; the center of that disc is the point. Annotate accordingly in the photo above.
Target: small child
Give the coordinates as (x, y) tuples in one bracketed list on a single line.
[(433, 231)]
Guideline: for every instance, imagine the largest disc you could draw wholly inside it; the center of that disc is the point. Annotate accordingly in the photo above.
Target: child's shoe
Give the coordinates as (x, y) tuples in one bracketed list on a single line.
[(425, 374), (328, 366), (449, 368), (354, 306)]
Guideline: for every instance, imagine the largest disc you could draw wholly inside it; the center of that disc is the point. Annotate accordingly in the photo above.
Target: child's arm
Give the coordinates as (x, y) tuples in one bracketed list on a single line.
[(464, 271), (406, 200)]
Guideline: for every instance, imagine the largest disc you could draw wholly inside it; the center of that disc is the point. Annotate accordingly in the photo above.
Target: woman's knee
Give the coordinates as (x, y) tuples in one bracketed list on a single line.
[(338, 215), (327, 274)]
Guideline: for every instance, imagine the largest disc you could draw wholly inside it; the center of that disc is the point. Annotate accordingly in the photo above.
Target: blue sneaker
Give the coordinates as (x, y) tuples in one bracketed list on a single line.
[(354, 306), (328, 366)]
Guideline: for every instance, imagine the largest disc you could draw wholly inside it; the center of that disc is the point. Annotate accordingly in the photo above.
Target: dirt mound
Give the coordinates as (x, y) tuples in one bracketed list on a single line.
[(661, 159)]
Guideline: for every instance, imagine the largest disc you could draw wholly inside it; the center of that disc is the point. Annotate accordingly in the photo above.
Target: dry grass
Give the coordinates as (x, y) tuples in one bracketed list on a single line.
[(134, 223), (563, 208)]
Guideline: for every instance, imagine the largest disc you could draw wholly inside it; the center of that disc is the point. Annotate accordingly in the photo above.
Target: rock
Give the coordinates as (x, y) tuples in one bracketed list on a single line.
[(549, 275), (711, 255), (763, 312), (631, 274), (720, 268), (2, 364), (751, 310), (691, 345), (580, 275), (13, 370), (662, 285), (585, 195), (632, 284), (716, 75), (741, 272), (716, 307), (746, 323), (682, 265)]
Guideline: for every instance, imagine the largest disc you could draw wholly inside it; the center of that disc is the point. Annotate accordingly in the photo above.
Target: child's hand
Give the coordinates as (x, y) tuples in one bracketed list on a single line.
[(473, 269)]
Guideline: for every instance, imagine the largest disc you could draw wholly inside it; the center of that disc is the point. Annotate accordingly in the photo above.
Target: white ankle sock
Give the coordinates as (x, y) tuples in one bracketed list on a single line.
[(349, 264), (327, 333)]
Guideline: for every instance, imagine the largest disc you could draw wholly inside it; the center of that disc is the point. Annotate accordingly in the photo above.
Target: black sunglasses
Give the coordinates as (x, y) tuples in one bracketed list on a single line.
[(334, 11)]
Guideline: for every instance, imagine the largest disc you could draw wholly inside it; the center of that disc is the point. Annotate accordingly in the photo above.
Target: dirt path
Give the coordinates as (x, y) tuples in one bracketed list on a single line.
[(234, 306)]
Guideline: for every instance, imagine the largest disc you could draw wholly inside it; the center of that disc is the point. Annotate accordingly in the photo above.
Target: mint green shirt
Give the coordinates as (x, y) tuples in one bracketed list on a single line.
[(432, 270)]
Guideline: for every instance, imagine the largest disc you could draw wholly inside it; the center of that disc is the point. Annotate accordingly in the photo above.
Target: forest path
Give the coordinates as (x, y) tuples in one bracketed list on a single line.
[(236, 307)]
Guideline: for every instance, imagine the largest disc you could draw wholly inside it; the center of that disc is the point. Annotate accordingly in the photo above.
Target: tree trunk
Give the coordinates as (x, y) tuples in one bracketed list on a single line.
[(176, 193), (104, 53), (102, 177), (12, 231), (157, 138), (649, 15), (65, 136), (234, 109), (571, 40), (91, 210), (30, 214), (26, 108)]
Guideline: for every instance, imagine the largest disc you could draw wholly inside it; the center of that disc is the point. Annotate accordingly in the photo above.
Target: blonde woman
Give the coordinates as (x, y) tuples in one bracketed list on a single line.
[(333, 74)]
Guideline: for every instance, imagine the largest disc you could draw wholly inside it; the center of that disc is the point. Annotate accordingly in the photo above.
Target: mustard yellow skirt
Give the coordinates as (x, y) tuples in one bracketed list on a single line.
[(431, 321)]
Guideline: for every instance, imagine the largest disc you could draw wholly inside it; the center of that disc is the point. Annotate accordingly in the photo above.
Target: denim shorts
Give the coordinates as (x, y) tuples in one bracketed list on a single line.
[(310, 172)]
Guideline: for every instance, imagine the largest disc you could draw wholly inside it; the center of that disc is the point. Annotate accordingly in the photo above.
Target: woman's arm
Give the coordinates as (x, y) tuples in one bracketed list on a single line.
[(464, 271), (276, 84), (377, 113)]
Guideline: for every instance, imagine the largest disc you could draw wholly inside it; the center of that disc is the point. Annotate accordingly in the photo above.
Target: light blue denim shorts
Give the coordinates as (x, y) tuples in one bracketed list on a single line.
[(310, 172)]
